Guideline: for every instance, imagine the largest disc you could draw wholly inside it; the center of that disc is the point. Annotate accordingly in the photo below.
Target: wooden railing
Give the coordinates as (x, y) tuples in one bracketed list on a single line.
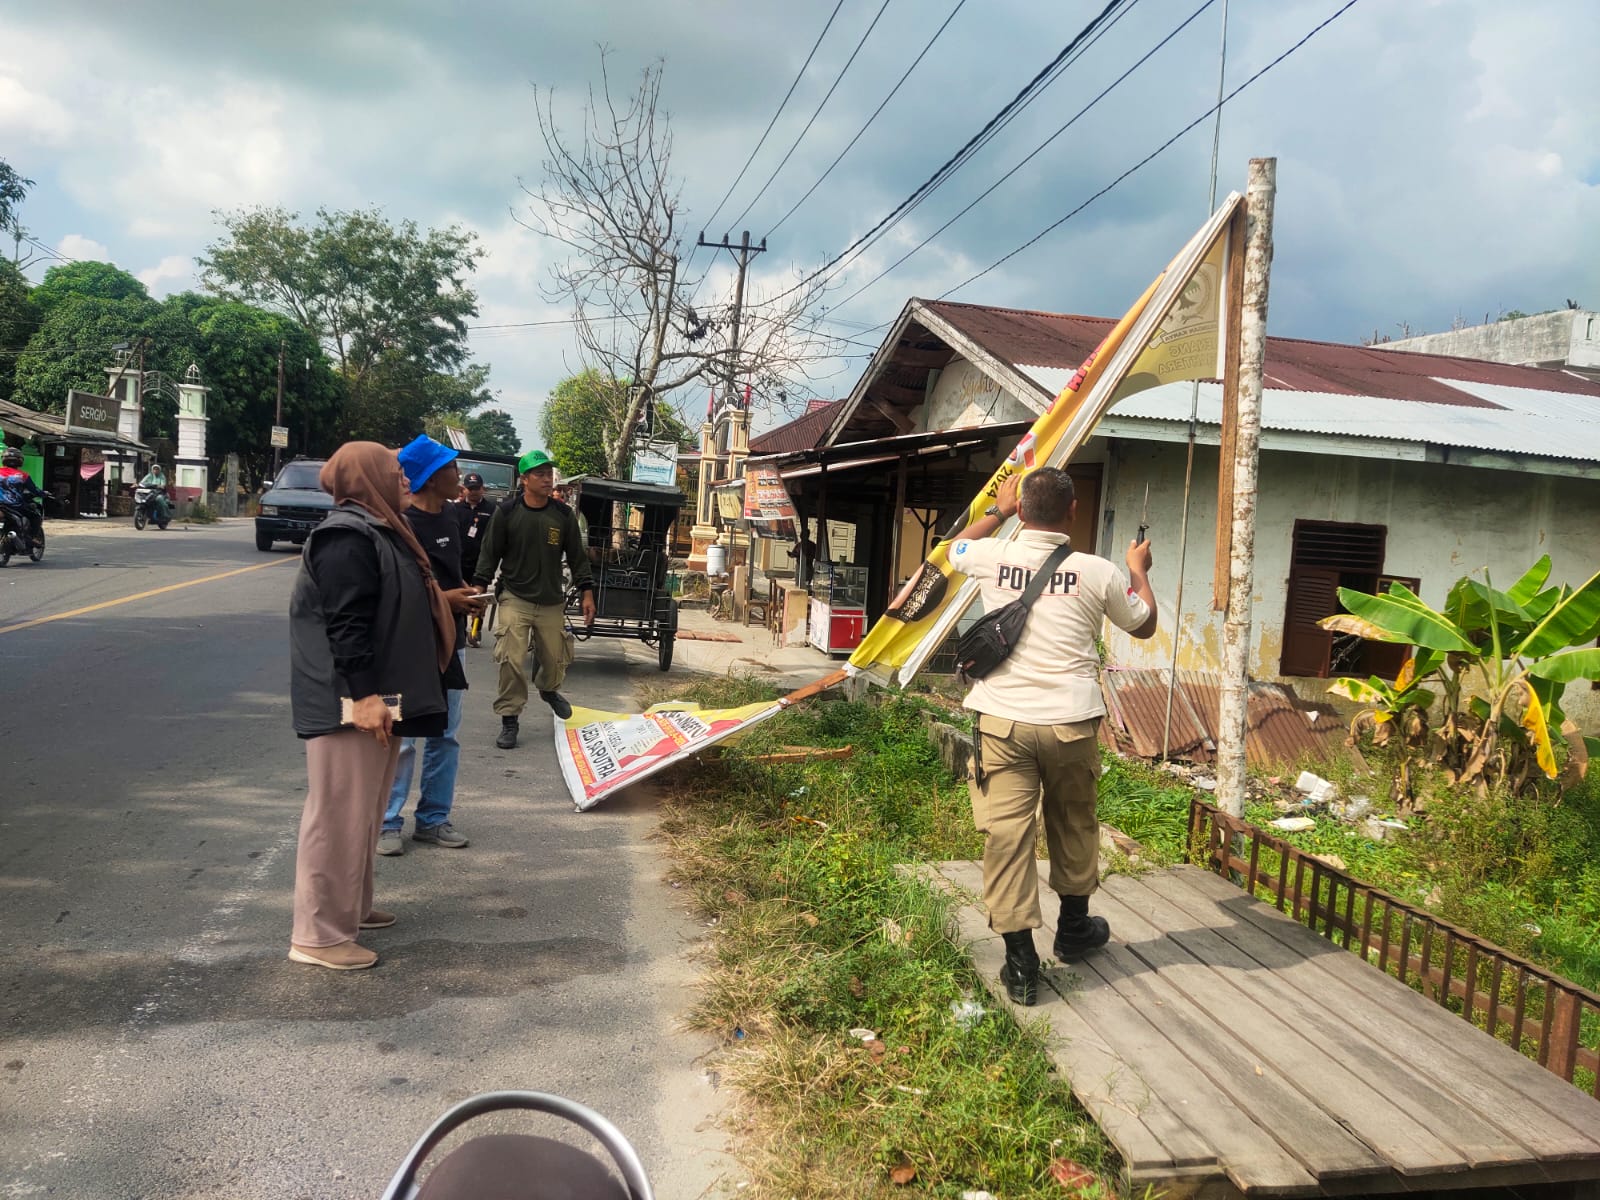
[(1550, 1019)]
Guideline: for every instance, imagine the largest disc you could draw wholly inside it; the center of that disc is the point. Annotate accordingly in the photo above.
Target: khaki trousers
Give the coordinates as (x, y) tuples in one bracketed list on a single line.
[(349, 776), (1029, 768), (519, 628)]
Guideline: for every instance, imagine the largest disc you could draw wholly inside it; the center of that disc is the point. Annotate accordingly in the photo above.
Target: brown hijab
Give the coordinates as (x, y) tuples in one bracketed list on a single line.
[(369, 475)]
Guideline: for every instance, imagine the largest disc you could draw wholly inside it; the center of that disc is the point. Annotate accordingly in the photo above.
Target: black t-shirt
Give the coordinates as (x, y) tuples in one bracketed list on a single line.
[(440, 535)]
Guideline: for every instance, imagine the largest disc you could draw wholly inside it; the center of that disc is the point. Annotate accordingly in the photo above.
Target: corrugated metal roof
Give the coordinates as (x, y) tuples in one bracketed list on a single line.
[(1520, 421), (1326, 388), (1281, 730), (803, 433)]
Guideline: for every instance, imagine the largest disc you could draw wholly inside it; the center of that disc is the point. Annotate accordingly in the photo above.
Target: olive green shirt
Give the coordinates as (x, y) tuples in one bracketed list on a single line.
[(527, 546)]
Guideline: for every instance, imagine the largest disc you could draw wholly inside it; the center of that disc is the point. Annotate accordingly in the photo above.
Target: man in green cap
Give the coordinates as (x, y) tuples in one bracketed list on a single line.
[(529, 535)]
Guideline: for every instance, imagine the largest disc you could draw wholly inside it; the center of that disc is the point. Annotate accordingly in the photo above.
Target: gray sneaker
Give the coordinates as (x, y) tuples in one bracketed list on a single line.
[(390, 843), (439, 835)]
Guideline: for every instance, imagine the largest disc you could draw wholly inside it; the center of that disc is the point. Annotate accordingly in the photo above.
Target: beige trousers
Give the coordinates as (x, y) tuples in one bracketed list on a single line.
[(349, 776), (1029, 768), (519, 628)]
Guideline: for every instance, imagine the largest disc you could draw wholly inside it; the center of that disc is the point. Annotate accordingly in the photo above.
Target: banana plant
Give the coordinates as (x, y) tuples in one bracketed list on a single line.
[(1508, 654)]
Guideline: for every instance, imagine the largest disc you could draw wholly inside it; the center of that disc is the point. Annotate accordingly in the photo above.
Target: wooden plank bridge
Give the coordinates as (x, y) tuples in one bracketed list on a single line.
[(1227, 1050)]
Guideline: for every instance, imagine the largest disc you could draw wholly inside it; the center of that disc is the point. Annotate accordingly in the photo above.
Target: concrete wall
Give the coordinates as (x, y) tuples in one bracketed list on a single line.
[(963, 397), (1569, 337), (1443, 522)]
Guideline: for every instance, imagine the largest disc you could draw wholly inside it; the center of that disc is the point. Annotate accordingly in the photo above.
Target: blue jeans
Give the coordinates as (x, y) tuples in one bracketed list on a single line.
[(441, 757)]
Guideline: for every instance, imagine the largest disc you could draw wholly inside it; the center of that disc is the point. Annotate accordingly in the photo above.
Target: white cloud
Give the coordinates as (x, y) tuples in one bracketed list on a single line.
[(84, 249), (174, 273)]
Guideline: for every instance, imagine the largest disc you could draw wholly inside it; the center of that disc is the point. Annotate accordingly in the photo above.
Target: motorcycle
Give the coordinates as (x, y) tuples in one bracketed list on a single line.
[(15, 538), (518, 1166), (145, 508)]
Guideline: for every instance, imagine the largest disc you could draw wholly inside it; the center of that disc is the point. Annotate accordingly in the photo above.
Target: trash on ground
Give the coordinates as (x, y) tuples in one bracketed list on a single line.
[(967, 1013), (1294, 824)]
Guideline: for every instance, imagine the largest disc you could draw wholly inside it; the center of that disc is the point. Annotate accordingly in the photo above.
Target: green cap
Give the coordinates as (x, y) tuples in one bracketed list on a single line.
[(533, 460)]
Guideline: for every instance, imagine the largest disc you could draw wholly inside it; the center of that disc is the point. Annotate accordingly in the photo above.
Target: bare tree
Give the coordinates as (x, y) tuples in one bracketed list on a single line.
[(609, 197)]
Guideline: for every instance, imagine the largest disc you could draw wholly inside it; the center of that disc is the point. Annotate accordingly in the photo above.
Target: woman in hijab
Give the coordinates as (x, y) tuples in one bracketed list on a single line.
[(370, 634)]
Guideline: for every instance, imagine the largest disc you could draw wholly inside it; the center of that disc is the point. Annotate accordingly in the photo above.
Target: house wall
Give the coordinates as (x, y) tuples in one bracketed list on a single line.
[(1568, 336), (964, 396), (1443, 522)]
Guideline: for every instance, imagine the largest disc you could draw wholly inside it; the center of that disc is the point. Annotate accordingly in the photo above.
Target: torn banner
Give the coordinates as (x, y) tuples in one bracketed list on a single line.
[(1173, 332), (600, 752)]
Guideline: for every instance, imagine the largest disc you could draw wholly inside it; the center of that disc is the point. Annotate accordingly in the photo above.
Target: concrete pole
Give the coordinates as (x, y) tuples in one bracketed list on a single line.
[(1259, 197)]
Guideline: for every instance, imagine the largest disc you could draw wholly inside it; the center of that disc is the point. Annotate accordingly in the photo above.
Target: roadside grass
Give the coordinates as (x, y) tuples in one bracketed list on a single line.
[(819, 931)]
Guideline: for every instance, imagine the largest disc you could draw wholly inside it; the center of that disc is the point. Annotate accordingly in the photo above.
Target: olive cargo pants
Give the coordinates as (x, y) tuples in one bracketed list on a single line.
[(520, 627), (1025, 768)]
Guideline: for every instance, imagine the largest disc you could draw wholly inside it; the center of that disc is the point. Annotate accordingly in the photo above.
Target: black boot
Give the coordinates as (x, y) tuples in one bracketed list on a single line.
[(508, 733), (1077, 932), (558, 704), (1020, 975)]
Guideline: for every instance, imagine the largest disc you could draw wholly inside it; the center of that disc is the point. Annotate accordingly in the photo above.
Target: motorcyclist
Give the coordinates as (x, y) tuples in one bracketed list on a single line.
[(156, 480), (19, 493)]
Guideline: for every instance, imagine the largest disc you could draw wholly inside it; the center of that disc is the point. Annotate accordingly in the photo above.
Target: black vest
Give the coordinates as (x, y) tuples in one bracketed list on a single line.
[(402, 633)]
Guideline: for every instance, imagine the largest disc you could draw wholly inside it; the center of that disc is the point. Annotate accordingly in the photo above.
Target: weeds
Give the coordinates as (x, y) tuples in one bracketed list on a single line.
[(818, 933)]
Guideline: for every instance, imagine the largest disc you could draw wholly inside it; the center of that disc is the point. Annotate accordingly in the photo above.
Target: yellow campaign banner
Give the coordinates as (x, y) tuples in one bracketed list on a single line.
[(1173, 332)]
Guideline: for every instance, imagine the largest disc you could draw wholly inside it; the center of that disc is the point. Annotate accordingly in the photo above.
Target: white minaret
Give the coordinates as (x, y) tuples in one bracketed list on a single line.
[(193, 468)]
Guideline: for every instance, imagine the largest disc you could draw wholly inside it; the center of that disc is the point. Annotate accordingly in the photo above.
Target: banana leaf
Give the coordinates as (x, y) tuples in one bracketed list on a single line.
[(1400, 616), (1564, 668), (1361, 691), (1538, 729), (1514, 620), (1567, 624), (1526, 588)]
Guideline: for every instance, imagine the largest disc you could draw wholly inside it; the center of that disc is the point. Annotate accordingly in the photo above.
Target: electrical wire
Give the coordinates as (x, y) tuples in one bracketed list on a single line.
[(1054, 225), (823, 104), (1032, 154), (1029, 92), (763, 139), (914, 63)]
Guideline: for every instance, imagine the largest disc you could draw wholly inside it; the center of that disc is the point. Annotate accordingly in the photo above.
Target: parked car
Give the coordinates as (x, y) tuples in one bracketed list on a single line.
[(293, 504)]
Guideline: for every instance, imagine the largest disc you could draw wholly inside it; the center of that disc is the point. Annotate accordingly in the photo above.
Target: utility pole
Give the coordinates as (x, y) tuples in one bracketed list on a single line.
[(277, 418), (1259, 197), (742, 253)]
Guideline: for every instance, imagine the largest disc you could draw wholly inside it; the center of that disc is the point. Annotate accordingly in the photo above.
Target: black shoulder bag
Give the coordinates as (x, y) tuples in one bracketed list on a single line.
[(990, 642)]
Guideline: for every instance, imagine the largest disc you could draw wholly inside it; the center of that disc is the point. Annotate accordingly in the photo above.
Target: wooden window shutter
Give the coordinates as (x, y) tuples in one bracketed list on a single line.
[(1313, 594)]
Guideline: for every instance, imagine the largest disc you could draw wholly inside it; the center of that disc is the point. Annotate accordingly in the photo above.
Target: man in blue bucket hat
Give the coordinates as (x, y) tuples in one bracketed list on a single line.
[(434, 480), (529, 536)]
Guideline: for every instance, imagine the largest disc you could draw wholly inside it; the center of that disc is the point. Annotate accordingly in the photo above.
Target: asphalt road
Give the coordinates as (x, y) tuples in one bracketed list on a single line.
[(154, 1040)]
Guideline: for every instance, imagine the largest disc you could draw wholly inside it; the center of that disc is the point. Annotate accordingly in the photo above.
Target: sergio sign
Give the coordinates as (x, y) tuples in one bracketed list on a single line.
[(85, 410)]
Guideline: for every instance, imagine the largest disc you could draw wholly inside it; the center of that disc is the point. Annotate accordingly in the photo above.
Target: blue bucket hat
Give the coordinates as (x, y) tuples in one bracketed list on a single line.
[(422, 458)]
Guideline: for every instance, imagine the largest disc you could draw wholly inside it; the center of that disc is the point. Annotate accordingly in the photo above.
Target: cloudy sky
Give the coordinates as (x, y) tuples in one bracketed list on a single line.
[(1438, 160)]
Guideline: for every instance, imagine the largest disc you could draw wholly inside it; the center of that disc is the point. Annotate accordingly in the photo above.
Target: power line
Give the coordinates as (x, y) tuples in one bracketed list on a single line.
[(1032, 89), (823, 104), (1032, 154), (1346, 7), (870, 120), (763, 139)]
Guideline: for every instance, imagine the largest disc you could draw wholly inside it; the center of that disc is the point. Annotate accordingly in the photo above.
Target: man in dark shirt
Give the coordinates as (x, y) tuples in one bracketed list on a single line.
[(529, 536), (473, 511), (434, 480)]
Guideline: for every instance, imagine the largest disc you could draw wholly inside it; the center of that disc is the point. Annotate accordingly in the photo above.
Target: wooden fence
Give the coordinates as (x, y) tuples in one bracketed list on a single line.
[(1550, 1019)]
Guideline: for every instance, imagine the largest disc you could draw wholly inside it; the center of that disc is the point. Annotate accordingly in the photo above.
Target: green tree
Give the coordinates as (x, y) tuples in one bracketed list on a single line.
[(240, 344), (13, 190), (18, 321), (583, 420), (388, 302), (100, 280), (494, 430), (73, 345)]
